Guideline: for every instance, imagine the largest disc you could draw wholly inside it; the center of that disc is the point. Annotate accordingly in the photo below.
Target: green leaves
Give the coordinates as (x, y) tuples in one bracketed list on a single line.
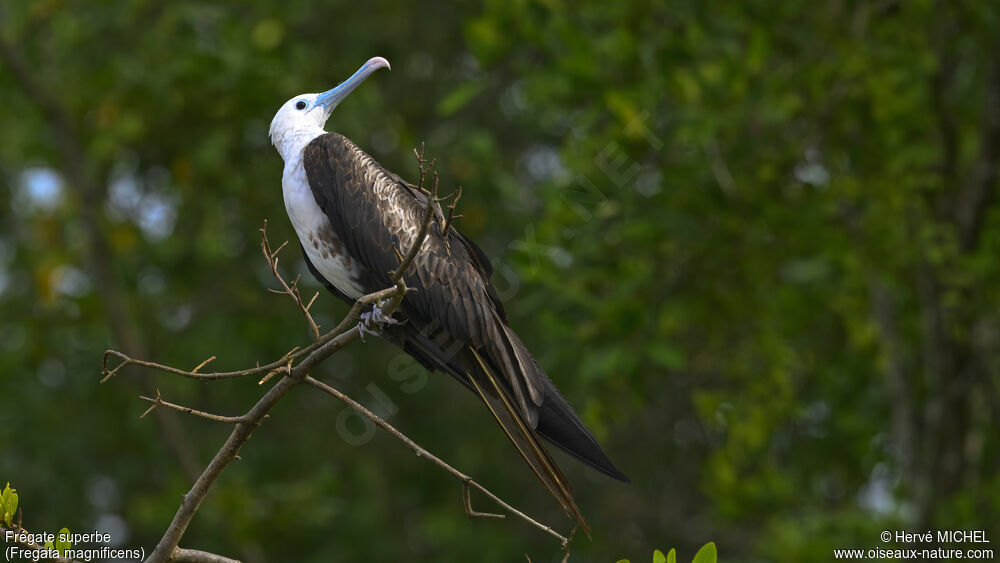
[(8, 513), (706, 554), (62, 541), (8, 505)]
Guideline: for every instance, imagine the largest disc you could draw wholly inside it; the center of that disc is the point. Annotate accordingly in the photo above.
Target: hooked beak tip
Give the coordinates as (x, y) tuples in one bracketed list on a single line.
[(378, 62)]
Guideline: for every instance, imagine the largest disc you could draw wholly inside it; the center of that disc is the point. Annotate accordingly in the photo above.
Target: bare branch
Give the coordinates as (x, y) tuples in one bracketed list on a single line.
[(287, 368), (107, 371), (423, 166), (291, 290), (349, 320), (203, 364), (566, 545), (346, 333), (188, 410), (464, 479), (469, 511), (181, 555), (192, 500), (322, 347), (451, 210), (432, 203)]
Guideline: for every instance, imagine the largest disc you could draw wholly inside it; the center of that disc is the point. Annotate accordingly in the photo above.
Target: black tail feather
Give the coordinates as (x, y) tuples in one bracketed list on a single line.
[(560, 426), (557, 422)]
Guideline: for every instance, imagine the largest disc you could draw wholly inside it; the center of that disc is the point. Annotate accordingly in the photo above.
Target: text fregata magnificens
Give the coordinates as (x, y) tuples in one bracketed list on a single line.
[(349, 213)]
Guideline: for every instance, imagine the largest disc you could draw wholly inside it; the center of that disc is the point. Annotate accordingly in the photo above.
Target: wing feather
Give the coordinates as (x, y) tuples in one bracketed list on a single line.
[(455, 311), (525, 439)]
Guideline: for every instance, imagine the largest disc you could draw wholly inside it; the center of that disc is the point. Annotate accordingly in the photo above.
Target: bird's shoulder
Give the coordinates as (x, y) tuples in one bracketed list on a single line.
[(357, 173), (335, 151)]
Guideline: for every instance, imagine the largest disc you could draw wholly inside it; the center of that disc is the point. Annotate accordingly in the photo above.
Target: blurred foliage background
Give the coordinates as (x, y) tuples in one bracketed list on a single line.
[(754, 243)]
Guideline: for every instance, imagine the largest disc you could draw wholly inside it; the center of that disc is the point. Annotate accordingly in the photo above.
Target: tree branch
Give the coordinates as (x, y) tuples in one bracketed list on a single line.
[(206, 415), (464, 479), (291, 290), (167, 546), (321, 349), (295, 367), (432, 200), (182, 555)]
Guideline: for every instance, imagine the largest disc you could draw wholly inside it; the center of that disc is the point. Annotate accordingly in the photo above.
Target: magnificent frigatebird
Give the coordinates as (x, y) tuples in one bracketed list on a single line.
[(352, 217)]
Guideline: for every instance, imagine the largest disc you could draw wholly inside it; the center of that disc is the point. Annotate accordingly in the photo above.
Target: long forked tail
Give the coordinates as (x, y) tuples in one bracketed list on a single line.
[(556, 420), (491, 390)]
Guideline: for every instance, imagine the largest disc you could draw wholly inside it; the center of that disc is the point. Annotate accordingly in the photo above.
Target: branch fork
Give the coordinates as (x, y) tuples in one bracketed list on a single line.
[(295, 367)]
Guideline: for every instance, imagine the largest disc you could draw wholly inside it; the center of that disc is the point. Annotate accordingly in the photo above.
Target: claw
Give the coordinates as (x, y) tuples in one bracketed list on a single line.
[(373, 321)]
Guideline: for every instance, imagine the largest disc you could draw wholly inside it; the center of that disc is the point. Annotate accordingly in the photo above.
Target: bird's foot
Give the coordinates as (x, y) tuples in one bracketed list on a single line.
[(372, 322)]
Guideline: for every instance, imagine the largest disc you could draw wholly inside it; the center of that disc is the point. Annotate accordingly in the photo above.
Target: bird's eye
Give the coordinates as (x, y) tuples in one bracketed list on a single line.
[(301, 105)]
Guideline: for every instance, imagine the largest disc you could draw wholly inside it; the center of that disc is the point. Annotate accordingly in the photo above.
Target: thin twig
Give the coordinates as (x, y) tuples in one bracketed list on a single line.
[(421, 452), (181, 555), (350, 319), (567, 544), (423, 166), (292, 290), (287, 368), (469, 511), (107, 371), (451, 211), (432, 199), (203, 364), (242, 431), (192, 500), (188, 410), (345, 333)]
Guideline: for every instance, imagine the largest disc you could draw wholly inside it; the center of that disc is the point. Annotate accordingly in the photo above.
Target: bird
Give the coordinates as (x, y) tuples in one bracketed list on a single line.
[(352, 217)]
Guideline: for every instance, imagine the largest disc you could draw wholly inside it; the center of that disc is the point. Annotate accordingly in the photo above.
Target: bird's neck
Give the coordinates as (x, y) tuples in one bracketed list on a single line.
[(291, 144)]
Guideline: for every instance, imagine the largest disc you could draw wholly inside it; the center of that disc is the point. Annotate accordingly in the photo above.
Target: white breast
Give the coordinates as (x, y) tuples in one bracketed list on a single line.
[(320, 242)]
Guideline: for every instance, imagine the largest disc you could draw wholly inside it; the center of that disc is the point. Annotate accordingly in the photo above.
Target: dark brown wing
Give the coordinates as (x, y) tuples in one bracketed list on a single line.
[(371, 210), (455, 321)]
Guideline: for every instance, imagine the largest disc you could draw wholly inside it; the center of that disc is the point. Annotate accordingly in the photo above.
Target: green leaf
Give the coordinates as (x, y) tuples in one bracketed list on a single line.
[(658, 556), (623, 561), (706, 554), (8, 505), (62, 541), (672, 556)]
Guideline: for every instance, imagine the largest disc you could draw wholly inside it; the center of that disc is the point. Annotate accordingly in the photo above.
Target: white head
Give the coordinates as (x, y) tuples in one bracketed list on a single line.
[(301, 119)]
